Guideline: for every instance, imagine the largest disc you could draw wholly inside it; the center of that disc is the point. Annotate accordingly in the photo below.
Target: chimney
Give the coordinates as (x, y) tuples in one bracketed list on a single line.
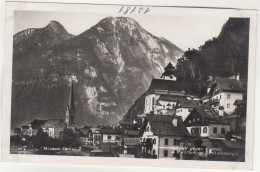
[(238, 76), (113, 126), (174, 122)]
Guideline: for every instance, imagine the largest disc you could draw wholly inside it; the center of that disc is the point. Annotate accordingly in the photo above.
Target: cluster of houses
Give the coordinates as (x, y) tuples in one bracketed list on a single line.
[(176, 120)]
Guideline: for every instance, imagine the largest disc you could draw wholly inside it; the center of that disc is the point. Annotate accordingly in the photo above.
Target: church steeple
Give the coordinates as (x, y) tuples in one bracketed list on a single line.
[(169, 72), (71, 110), (71, 101)]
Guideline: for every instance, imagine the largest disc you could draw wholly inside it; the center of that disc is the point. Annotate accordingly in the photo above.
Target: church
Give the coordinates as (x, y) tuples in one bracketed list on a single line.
[(71, 111)]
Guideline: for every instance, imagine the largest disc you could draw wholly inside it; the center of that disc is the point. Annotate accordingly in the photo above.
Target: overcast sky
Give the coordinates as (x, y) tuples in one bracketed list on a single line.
[(184, 31)]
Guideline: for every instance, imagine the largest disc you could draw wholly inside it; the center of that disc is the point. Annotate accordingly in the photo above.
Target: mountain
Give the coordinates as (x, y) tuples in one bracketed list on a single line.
[(112, 64), (222, 56)]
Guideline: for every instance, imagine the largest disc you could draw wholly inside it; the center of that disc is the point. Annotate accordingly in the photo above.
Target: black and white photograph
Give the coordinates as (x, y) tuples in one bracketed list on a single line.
[(127, 82)]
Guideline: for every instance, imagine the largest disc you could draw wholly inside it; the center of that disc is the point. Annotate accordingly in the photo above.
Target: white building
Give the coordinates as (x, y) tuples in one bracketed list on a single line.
[(54, 127), (225, 91), (206, 123), (161, 135), (184, 107), (163, 95)]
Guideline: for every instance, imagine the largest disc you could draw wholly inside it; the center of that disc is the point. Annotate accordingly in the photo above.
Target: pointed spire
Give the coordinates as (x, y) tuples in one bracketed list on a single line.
[(71, 101)]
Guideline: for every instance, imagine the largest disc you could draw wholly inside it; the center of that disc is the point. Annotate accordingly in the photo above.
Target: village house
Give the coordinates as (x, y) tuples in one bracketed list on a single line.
[(184, 107), (25, 130), (111, 135), (224, 92), (206, 123), (54, 127), (96, 135), (161, 134), (35, 125), (167, 93), (132, 145), (164, 93)]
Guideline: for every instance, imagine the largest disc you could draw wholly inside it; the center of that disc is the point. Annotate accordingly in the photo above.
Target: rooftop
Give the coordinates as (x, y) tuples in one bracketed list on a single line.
[(51, 123), (169, 85), (162, 125)]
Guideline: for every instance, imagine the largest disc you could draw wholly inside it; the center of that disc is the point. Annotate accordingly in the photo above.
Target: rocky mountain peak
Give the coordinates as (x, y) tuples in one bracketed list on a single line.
[(113, 62), (56, 26)]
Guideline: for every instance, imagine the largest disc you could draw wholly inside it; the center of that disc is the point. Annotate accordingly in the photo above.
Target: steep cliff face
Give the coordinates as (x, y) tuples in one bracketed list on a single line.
[(112, 64)]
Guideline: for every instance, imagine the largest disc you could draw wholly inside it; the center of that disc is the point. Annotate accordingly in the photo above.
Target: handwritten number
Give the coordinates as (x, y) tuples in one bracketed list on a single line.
[(147, 10), (131, 10), (121, 9)]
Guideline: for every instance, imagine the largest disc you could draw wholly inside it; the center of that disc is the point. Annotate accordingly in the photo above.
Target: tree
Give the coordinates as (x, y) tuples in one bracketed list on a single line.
[(40, 140)]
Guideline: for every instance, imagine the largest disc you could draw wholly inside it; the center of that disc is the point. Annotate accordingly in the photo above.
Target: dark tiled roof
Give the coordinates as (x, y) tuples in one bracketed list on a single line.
[(158, 104), (227, 84), (110, 130), (170, 98), (131, 133), (25, 127), (206, 96), (238, 102), (51, 123), (37, 123), (162, 125), (189, 104), (132, 141), (211, 116), (170, 85)]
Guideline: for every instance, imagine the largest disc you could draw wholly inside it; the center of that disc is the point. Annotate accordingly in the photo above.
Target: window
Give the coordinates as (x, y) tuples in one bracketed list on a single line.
[(108, 137), (154, 141), (165, 141), (219, 96), (165, 153), (189, 121), (198, 119), (154, 152), (144, 140), (148, 129), (181, 110), (117, 137), (205, 130), (228, 105), (215, 130), (190, 110), (175, 142), (143, 149), (223, 131), (194, 119), (192, 130), (228, 96)]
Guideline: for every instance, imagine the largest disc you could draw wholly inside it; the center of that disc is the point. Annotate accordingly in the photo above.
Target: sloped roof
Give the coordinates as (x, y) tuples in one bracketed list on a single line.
[(132, 141), (37, 123), (162, 125), (171, 98), (158, 104), (226, 84), (238, 102), (95, 129), (170, 85), (189, 103), (131, 132), (51, 123), (110, 130), (25, 127), (206, 96), (211, 116)]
